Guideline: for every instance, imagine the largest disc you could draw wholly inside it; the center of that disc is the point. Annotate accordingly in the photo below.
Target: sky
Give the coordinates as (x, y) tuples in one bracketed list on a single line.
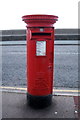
[(11, 12)]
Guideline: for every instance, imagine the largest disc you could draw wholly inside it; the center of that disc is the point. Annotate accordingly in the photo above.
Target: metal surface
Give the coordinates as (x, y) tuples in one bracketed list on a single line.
[(40, 53), (40, 20)]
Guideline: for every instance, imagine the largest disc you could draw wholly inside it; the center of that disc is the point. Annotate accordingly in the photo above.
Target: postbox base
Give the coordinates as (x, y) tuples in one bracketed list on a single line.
[(39, 101)]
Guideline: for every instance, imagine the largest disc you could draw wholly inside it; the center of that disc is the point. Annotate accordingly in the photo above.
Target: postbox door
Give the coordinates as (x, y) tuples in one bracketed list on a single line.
[(40, 65)]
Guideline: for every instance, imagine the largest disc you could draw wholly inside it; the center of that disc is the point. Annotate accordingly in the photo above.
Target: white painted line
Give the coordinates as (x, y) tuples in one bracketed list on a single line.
[(59, 42), (15, 53), (56, 53), (66, 53)]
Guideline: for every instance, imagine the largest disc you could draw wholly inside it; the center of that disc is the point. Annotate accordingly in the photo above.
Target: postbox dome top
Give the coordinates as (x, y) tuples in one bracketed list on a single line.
[(40, 20)]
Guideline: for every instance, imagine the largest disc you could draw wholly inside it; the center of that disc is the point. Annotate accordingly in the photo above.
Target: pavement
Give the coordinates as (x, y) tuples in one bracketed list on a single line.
[(14, 105)]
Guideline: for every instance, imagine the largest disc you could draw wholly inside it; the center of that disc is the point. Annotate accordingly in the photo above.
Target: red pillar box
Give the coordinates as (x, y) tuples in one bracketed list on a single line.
[(40, 58)]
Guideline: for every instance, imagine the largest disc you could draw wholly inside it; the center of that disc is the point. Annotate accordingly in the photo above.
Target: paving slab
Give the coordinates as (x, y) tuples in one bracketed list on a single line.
[(14, 105)]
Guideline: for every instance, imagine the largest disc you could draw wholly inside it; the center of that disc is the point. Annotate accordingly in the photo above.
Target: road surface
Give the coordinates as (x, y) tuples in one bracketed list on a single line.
[(65, 69)]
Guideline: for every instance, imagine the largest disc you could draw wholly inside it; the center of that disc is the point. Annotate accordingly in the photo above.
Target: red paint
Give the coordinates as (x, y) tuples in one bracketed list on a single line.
[(40, 20), (40, 68)]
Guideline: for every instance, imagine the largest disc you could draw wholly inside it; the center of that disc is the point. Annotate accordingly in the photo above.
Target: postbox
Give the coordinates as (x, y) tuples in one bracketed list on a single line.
[(40, 58)]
